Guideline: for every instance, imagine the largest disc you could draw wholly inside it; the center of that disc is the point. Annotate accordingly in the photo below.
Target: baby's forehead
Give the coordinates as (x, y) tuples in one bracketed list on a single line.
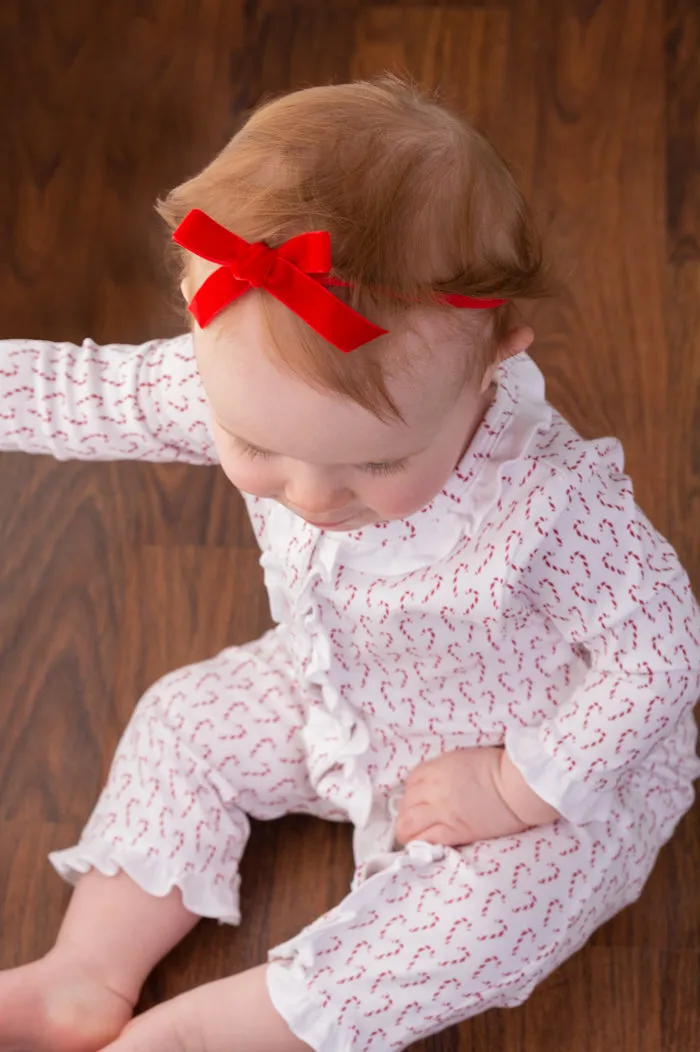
[(255, 397)]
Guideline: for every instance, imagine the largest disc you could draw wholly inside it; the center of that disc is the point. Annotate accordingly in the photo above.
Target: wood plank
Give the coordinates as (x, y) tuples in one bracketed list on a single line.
[(676, 874), (175, 504), (96, 139), (683, 278), (61, 590), (461, 52), (32, 898), (295, 45), (683, 368), (183, 605), (106, 82), (591, 141), (279, 6), (683, 150)]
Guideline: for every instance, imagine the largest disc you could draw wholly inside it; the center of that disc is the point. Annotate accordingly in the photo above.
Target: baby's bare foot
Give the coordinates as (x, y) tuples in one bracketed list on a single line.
[(56, 1005)]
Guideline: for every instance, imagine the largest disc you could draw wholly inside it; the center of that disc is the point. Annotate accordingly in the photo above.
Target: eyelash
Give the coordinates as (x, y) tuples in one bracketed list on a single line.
[(393, 468), (253, 453)]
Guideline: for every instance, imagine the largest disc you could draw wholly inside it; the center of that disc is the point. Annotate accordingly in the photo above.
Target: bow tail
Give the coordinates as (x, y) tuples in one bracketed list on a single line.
[(320, 309), (219, 289)]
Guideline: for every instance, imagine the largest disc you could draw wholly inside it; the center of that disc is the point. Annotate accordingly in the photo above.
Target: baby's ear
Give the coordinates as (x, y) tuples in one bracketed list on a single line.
[(514, 342)]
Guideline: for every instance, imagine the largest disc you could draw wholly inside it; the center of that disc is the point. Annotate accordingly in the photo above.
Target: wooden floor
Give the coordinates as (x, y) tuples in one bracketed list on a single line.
[(113, 574)]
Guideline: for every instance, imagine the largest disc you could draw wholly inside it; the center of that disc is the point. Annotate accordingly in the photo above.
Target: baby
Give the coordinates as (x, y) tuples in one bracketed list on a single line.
[(485, 657)]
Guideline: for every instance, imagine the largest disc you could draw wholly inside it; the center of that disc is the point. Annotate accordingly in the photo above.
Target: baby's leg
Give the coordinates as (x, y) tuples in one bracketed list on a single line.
[(437, 934), (426, 938), (230, 1014), (206, 744), (82, 993)]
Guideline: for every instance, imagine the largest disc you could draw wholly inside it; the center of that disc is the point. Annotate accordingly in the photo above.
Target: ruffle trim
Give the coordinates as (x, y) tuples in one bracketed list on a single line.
[(548, 777), (510, 427), (217, 903), (338, 731)]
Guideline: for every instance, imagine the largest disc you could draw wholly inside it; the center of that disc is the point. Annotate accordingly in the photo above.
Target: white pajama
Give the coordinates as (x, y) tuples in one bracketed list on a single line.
[(531, 605)]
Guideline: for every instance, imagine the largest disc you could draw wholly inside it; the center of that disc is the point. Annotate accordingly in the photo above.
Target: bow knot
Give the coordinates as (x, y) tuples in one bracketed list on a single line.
[(254, 265)]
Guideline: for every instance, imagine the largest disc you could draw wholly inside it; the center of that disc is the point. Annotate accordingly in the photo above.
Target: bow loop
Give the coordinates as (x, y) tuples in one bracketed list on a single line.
[(310, 252)]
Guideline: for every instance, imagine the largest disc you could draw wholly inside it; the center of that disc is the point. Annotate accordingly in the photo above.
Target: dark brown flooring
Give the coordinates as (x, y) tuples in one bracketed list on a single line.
[(112, 574)]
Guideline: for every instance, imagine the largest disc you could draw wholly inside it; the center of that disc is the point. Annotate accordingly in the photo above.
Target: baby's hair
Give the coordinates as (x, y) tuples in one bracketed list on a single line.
[(415, 200)]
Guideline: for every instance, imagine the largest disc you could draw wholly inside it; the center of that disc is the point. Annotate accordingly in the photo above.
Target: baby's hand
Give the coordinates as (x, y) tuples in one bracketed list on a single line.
[(468, 795)]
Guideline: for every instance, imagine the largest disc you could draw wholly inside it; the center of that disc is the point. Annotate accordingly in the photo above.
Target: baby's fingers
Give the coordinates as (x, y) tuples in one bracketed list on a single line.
[(414, 820), (418, 776), (442, 834), (415, 793), (423, 823)]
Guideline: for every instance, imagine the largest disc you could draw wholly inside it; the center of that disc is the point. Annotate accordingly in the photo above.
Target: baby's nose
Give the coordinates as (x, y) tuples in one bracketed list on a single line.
[(321, 502)]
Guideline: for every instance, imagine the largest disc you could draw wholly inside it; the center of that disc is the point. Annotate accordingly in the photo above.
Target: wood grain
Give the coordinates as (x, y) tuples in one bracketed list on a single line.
[(459, 52), (683, 139), (600, 191), (185, 604), (61, 594), (113, 574), (683, 277)]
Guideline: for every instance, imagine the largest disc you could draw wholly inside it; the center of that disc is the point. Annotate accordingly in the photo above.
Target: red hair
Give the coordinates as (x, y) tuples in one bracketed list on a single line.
[(416, 202)]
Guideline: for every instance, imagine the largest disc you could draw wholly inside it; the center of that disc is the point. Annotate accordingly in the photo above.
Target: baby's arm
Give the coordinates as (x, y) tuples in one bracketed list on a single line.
[(467, 795), (113, 402), (613, 587)]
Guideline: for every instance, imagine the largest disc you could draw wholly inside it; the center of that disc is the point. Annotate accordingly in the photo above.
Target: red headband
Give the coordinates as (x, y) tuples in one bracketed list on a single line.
[(296, 273)]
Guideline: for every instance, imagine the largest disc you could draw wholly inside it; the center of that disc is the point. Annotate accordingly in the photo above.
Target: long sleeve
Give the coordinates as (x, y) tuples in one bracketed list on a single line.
[(104, 403), (614, 590)]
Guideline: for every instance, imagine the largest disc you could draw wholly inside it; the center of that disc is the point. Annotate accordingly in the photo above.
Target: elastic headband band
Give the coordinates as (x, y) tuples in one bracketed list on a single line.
[(296, 273)]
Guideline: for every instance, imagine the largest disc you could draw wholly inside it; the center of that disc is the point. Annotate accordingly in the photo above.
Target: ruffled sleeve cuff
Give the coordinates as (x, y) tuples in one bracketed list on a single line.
[(555, 779)]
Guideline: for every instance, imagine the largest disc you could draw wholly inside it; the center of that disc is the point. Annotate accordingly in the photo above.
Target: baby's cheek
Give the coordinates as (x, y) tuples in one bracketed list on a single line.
[(400, 497), (250, 478)]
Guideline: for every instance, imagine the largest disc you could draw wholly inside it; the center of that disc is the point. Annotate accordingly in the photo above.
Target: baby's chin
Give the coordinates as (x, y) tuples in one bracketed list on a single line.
[(361, 521), (355, 522)]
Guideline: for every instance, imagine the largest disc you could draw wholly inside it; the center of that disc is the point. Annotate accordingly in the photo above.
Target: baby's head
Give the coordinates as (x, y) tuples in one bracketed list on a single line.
[(417, 204)]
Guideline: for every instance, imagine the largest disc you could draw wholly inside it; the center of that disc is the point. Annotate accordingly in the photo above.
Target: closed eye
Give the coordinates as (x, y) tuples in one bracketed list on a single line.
[(379, 467), (386, 467), (253, 452)]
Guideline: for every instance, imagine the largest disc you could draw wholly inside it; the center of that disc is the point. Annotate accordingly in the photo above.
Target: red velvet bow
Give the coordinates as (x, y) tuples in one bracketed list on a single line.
[(296, 273), (292, 273)]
